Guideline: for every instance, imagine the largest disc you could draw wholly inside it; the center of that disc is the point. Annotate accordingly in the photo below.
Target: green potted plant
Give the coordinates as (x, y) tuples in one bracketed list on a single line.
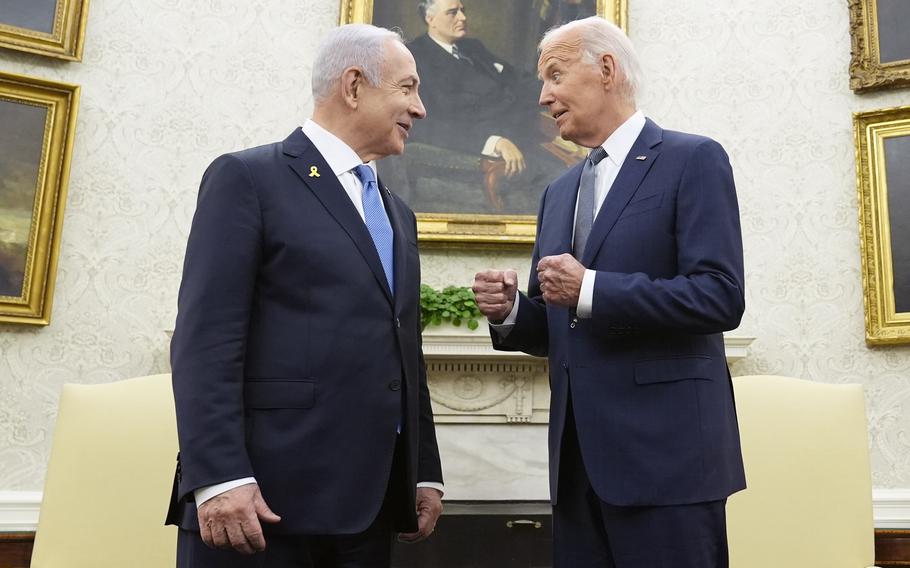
[(453, 305)]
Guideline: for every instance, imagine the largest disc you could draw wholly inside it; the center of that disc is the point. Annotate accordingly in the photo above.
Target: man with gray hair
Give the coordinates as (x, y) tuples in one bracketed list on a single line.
[(303, 413), (637, 271)]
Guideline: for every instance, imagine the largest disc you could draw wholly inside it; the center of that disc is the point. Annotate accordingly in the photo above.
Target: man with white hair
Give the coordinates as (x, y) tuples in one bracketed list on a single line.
[(303, 413), (637, 271)]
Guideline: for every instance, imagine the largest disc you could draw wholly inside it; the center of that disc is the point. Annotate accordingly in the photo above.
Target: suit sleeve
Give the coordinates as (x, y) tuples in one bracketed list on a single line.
[(707, 295), (209, 343), (530, 334), (429, 467)]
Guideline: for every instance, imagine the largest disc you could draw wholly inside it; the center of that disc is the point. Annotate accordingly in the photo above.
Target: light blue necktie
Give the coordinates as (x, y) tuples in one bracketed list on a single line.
[(377, 221), (584, 218)]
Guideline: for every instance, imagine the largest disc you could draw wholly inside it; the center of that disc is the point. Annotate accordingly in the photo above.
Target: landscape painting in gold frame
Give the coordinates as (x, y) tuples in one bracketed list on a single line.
[(880, 52), (55, 28), (883, 180), (36, 143), (451, 173)]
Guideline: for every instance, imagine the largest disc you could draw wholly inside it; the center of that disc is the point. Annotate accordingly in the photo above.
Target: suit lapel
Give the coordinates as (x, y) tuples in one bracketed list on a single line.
[(564, 208), (631, 174), (400, 241), (328, 190)]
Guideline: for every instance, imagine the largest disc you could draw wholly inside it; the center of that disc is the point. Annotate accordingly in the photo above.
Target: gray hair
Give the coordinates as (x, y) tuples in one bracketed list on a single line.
[(426, 8), (598, 36), (351, 45)]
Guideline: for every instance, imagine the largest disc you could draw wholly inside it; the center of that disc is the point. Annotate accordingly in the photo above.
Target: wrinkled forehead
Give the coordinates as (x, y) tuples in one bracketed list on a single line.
[(399, 63), (562, 47)]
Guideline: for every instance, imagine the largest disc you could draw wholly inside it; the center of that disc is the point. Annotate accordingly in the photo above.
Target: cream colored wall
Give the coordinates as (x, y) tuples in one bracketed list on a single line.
[(170, 84)]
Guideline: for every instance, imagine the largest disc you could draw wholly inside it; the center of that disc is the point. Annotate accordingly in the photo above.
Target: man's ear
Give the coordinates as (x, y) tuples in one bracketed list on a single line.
[(352, 82), (608, 70)]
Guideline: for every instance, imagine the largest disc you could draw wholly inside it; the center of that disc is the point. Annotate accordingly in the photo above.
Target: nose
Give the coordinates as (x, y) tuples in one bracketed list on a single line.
[(461, 16), (417, 109), (546, 95)]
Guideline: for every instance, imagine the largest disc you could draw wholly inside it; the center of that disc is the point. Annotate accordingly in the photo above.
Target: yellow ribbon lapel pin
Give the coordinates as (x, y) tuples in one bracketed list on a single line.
[(314, 172)]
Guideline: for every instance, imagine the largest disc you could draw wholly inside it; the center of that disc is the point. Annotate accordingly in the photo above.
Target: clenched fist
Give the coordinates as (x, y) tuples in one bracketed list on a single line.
[(560, 279), (495, 292)]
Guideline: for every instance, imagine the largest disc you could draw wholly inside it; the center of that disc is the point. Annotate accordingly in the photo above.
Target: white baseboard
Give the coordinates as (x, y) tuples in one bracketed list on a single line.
[(891, 508), (19, 509)]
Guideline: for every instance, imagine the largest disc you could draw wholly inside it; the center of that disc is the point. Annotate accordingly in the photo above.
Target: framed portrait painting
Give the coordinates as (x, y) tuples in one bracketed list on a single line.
[(880, 44), (883, 179), (474, 169), (46, 27), (36, 142)]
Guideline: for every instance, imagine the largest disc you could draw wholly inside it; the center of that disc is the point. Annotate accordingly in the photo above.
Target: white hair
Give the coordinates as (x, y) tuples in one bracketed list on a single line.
[(598, 36), (351, 45)]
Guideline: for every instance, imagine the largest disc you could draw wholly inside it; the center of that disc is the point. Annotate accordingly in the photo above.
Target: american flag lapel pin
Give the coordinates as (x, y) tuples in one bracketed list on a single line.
[(641, 158)]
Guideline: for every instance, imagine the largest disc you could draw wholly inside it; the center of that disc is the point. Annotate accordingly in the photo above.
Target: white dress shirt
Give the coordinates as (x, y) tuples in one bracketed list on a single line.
[(617, 146), (342, 159)]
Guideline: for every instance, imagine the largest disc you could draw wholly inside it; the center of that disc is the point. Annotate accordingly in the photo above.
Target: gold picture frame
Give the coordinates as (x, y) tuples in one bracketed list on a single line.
[(880, 54), (472, 229), (61, 35), (35, 155), (882, 140)]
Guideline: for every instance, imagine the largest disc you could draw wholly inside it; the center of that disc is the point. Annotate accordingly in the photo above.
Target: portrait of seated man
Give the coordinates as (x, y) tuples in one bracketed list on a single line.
[(486, 145)]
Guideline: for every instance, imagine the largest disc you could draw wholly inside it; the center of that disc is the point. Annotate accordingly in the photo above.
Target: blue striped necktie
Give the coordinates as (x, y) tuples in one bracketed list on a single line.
[(584, 217), (377, 221)]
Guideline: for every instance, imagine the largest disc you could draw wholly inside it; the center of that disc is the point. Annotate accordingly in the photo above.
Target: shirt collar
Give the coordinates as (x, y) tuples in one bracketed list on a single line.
[(619, 144), (442, 44), (338, 155)]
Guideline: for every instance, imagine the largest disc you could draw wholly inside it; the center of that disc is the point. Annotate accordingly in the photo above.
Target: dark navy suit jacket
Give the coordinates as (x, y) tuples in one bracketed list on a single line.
[(292, 361), (650, 388)]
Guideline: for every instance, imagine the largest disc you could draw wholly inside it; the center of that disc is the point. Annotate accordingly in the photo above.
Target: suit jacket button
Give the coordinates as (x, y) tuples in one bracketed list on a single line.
[(397, 322), (395, 385)]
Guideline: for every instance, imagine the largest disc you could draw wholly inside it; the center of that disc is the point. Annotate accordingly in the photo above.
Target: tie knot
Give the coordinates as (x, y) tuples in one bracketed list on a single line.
[(597, 154), (365, 173)]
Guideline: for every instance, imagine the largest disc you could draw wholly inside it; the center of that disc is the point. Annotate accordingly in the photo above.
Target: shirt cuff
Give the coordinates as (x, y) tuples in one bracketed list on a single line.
[(433, 485), (203, 494), (586, 296), (507, 324), (489, 149)]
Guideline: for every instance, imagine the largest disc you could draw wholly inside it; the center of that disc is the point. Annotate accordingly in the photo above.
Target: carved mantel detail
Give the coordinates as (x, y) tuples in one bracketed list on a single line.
[(471, 383)]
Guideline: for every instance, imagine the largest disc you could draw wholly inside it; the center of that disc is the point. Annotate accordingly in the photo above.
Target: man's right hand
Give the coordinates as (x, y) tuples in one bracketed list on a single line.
[(495, 292), (515, 160), (231, 520)]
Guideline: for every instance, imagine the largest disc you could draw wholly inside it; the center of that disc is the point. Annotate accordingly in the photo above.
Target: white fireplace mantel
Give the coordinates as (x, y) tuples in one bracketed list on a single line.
[(458, 342)]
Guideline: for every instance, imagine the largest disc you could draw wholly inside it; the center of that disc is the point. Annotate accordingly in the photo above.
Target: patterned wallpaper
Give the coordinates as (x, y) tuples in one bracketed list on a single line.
[(170, 84)]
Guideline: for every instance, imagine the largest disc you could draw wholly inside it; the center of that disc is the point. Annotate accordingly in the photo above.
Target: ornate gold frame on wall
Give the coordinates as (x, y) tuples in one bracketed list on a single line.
[(66, 40), (884, 325), (477, 230), (867, 72), (61, 100)]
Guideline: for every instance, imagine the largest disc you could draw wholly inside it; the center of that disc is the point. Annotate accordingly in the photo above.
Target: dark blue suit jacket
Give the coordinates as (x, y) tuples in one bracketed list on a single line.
[(651, 393), (292, 362)]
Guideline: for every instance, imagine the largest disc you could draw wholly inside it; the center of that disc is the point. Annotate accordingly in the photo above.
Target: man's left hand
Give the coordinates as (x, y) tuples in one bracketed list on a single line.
[(560, 279), (429, 507)]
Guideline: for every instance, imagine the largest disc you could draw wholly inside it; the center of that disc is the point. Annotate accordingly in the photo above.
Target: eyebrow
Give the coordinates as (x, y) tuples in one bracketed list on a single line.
[(551, 62)]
